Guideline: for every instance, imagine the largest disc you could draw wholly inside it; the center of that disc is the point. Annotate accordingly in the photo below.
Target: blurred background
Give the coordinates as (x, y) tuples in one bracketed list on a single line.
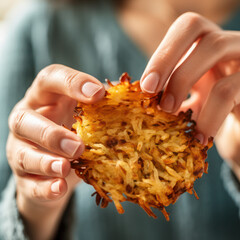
[(5, 7)]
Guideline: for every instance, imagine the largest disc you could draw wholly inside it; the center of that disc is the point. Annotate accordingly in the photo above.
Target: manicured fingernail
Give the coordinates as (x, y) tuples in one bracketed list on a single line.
[(200, 137), (70, 147), (150, 83), (55, 187), (57, 167), (89, 89), (167, 103)]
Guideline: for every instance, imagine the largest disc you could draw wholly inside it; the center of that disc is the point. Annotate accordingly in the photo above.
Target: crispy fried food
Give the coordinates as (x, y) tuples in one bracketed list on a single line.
[(136, 152)]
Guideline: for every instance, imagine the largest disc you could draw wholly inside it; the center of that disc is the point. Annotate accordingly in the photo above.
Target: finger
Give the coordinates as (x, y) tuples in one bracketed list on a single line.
[(181, 35), (42, 189), (63, 113), (63, 80), (224, 96), (32, 126), (194, 103), (25, 159), (213, 47)]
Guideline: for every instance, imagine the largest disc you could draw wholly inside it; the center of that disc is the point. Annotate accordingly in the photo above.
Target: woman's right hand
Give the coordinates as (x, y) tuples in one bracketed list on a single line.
[(39, 149)]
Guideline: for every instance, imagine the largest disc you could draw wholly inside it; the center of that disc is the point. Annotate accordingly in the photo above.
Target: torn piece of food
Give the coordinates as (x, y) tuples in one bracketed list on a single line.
[(136, 152)]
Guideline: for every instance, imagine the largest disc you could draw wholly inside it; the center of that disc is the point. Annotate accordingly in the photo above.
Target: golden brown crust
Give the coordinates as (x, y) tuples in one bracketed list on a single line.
[(136, 152)]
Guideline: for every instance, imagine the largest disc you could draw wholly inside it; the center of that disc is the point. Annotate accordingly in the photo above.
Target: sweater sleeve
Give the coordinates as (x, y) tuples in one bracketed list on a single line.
[(231, 184), (11, 226)]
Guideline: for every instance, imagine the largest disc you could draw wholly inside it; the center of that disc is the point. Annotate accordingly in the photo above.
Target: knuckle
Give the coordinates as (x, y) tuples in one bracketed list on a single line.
[(224, 90), (217, 41), (44, 165), (21, 159), (44, 73), (34, 191), (46, 136), (49, 137), (16, 120), (193, 20), (71, 79), (9, 149), (40, 192)]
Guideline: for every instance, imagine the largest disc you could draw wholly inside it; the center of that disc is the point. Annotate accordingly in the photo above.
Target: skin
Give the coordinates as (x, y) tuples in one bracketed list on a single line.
[(41, 188), (214, 84), (38, 160)]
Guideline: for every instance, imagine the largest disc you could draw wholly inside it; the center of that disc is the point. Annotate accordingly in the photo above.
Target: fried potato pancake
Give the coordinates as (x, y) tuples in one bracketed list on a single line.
[(136, 152)]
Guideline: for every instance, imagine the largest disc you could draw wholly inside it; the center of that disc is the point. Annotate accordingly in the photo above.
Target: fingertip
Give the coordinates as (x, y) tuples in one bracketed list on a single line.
[(62, 186), (72, 147), (91, 91), (151, 83), (99, 94), (168, 103), (80, 150), (58, 188), (55, 187), (66, 168)]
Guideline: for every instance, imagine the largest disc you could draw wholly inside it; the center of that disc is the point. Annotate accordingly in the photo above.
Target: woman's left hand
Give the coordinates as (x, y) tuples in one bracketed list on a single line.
[(196, 56)]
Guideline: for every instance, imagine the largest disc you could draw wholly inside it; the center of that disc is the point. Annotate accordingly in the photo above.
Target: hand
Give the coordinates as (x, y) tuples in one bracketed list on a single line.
[(198, 57), (39, 150)]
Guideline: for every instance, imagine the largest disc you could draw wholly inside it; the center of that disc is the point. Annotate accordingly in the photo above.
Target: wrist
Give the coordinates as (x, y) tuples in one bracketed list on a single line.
[(41, 219)]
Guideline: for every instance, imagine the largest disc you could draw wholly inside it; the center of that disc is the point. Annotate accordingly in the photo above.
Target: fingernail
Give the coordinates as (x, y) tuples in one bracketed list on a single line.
[(55, 187), (200, 137), (89, 89), (150, 83), (57, 167), (70, 147), (167, 103)]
